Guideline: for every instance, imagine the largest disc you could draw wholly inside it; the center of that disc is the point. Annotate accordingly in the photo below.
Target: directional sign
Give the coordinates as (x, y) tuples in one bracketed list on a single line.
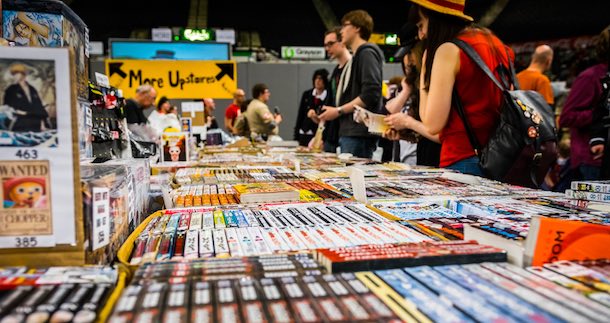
[(175, 79)]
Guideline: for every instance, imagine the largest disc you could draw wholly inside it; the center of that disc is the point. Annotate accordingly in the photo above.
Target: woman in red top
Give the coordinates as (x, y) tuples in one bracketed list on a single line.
[(444, 67)]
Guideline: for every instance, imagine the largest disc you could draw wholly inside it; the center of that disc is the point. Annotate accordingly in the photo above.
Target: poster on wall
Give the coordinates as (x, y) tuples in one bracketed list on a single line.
[(37, 151), (74, 39), (174, 147), (32, 29)]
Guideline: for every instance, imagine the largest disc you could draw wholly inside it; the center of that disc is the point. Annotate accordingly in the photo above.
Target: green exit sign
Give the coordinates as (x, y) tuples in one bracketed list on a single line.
[(196, 34)]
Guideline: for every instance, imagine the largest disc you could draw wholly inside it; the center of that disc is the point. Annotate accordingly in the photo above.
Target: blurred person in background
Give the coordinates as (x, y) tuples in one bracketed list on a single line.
[(209, 106), (312, 99), (261, 121), (233, 110), (578, 114), (533, 78)]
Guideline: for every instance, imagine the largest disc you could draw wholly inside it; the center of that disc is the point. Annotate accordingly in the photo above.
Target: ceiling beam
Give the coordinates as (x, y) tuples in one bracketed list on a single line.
[(326, 14), (198, 14), (493, 12)]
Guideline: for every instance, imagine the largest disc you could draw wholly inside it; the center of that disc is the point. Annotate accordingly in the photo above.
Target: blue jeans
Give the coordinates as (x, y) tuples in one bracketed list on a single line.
[(589, 173), (362, 147), (468, 166)]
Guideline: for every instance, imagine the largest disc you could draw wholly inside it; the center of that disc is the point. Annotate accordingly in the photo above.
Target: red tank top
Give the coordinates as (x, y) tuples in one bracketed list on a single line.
[(480, 97)]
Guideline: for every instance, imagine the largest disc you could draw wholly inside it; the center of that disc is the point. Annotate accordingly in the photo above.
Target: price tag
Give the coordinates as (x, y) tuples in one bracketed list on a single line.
[(27, 242), (100, 227), (356, 177)]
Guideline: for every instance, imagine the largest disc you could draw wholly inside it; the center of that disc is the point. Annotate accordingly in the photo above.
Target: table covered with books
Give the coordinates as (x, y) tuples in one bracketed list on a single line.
[(292, 236)]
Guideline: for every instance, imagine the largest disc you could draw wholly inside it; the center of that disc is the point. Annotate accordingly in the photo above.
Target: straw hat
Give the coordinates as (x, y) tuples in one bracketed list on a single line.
[(18, 68), (448, 7)]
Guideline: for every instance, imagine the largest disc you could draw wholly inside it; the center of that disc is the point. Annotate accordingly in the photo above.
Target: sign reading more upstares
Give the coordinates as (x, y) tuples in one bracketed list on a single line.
[(289, 52), (175, 79)]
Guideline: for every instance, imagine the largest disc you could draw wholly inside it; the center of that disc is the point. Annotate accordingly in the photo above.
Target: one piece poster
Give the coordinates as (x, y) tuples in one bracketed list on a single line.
[(174, 147), (26, 192), (37, 147), (74, 38), (34, 29)]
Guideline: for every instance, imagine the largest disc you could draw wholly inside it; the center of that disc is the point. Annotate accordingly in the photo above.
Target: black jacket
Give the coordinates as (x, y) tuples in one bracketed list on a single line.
[(365, 82), (308, 101), (15, 97), (134, 113)]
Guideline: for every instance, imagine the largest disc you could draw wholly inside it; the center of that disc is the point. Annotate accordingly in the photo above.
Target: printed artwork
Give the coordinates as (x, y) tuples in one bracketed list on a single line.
[(28, 115), (26, 195), (175, 148), (32, 28), (74, 39)]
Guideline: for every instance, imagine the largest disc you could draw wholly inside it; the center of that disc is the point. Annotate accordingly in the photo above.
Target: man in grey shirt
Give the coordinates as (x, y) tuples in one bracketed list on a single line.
[(364, 88)]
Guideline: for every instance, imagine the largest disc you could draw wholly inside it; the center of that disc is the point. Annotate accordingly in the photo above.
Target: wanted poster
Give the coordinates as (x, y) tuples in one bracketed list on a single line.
[(38, 148)]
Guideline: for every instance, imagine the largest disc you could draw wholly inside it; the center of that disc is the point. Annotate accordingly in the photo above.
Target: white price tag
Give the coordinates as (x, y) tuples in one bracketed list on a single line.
[(356, 177), (27, 242), (100, 226)]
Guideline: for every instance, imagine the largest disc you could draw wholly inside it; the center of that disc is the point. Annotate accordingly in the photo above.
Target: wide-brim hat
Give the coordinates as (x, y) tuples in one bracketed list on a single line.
[(18, 68), (448, 7)]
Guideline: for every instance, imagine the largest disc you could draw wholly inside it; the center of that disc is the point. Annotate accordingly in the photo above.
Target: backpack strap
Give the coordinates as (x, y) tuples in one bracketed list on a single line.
[(474, 142), (476, 58)]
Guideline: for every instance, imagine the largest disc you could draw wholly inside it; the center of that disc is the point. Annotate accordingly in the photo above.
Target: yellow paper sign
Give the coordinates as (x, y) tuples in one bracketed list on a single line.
[(175, 79)]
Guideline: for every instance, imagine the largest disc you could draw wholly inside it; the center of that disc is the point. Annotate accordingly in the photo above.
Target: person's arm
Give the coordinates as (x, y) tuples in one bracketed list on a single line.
[(399, 121), (435, 104), (396, 103), (577, 111), (228, 125), (38, 28), (230, 115)]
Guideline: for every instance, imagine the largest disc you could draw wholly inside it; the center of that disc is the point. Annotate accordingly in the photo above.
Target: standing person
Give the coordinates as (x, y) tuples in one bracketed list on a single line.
[(209, 106), (533, 78), (144, 99), (30, 113), (261, 121), (446, 67), (364, 90), (578, 113), (162, 118), (311, 100), (404, 113), (336, 50), (232, 111)]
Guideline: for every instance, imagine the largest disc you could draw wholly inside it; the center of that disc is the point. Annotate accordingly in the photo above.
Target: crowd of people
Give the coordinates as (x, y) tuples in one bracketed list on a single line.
[(424, 125)]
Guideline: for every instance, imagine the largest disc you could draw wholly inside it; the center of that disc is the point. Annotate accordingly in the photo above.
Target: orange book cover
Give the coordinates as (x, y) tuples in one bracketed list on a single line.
[(559, 239)]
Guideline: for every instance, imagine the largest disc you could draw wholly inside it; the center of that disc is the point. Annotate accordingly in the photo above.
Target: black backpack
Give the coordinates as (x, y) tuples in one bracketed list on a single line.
[(523, 146)]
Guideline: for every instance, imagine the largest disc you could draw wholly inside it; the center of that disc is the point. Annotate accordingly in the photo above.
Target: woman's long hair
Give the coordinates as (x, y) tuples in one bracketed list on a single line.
[(441, 29)]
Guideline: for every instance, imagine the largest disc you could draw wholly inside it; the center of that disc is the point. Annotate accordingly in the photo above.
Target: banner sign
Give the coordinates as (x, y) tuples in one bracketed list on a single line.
[(175, 79)]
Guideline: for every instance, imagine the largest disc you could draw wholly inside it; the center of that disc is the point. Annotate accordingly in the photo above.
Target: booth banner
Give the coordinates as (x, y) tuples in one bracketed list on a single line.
[(175, 79)]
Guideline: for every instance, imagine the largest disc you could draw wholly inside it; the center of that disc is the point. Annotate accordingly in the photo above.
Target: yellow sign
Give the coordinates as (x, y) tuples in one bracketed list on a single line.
[(175, 79)]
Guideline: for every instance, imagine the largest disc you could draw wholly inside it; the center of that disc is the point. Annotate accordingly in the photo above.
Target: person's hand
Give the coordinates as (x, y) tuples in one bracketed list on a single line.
[(330, 113), (278, 118), (399, 121), (597, 151), (391, 134), (311, 114)]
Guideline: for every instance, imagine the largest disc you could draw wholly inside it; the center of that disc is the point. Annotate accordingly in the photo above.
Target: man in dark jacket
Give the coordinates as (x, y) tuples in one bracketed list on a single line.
[(30, 114), (364, 89)]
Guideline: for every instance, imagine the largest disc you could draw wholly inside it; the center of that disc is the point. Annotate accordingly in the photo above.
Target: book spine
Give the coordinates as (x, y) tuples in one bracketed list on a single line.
[(221, 244), (207, 243), (233, 243), (590, 187), (191, 246)]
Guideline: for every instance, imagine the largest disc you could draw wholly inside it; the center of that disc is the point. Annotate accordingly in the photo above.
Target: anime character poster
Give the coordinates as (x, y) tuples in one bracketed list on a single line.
[(28, 114), (74, 39), (174, 147), (33, 29), (26, 198)]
